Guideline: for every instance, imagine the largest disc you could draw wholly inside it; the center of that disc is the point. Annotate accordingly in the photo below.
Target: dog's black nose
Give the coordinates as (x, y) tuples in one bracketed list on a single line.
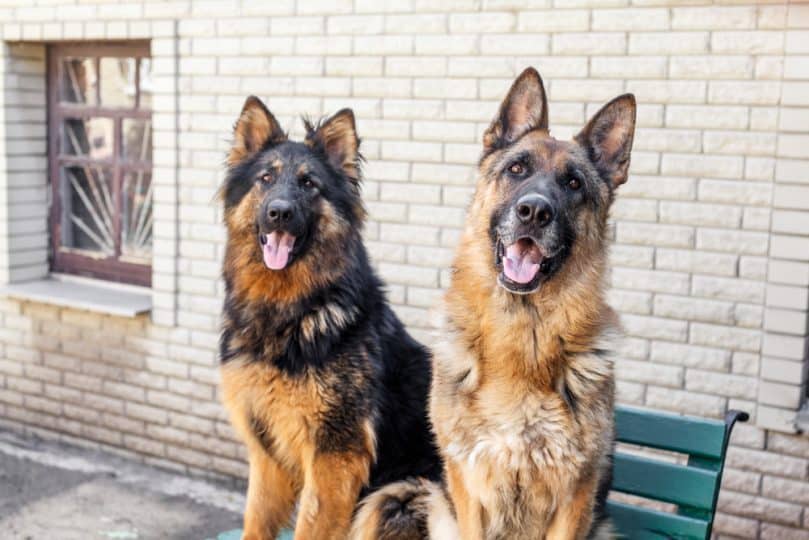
[(280, 212), (535, 209)]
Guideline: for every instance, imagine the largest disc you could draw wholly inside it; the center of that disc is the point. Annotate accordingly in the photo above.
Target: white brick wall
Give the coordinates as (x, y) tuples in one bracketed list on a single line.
[(23, 143), (711, 261)]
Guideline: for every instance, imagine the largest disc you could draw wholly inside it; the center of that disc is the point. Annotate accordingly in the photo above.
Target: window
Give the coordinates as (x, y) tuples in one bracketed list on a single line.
[(100, 154)]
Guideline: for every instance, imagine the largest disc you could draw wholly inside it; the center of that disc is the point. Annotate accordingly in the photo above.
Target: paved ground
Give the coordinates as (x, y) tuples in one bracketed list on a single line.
[(53, 491)]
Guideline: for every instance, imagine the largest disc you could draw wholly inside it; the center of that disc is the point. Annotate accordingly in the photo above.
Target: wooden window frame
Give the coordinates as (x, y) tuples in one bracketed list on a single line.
[(110, 268)]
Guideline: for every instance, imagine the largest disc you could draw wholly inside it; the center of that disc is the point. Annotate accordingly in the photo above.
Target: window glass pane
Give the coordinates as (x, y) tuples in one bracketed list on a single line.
[(102, 154), (78, 80), (137, 139), (136, 218), (87, 220), (118, 82), (146, 83), (88, 137)]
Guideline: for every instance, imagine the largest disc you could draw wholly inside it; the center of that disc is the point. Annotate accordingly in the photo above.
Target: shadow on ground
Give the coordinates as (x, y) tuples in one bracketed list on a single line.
[(53, 491)]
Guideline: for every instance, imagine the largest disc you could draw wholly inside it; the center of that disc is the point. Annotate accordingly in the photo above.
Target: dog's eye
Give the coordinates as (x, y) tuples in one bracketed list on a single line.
[(266, 177), (306, 181), (573, 179), (516, 168)]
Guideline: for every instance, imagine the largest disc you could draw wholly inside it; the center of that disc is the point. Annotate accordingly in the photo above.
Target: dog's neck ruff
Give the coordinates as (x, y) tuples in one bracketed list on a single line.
[(305, 331), (536, 333), (250, 278)]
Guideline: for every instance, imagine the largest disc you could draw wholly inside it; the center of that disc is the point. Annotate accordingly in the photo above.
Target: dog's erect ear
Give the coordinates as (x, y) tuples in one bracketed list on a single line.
[(524, 109), (255, 127), (608, 138), (337, 138)]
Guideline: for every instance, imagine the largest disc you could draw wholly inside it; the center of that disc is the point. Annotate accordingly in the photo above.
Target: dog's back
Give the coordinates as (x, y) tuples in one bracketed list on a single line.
[(405, 444)]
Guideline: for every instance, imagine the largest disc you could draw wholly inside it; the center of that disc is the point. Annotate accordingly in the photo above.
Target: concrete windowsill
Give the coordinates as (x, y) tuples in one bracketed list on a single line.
[(77, 293)]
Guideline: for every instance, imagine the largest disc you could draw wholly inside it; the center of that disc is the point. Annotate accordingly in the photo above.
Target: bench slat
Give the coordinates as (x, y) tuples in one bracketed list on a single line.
[(664, 481), (639, 523), (684, 434)]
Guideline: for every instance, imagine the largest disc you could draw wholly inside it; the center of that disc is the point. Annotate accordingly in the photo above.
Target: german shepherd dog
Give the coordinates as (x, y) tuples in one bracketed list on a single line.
[(322, 382), (522, 391)]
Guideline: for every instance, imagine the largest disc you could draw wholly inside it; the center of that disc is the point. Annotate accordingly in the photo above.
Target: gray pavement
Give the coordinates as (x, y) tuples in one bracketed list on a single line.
[(53, 491)]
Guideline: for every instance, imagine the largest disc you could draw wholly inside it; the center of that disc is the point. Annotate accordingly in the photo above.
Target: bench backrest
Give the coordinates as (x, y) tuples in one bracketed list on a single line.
[(692, 487)]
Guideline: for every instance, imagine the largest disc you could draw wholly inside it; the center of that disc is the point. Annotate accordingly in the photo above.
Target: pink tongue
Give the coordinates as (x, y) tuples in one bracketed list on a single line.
[(518, 266), (276, 250)]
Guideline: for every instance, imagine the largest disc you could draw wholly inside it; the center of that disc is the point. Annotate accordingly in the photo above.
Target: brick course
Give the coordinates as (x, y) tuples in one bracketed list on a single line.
[(711, 261)]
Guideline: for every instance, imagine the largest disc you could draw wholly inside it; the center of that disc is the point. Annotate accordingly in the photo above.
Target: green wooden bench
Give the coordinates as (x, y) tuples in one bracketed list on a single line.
[(693, 487)]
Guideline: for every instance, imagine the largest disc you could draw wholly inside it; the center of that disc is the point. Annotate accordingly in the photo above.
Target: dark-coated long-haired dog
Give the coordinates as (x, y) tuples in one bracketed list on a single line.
[(322, 382), (522, 392)]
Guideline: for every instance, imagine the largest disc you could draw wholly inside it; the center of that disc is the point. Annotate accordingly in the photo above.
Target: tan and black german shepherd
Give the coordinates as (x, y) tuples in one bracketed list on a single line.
[(522, 391), (322, 382)]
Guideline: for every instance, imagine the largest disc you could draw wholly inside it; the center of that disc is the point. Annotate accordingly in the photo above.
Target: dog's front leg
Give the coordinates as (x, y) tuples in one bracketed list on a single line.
[(572, 521), (270, 497), (331, 487), (470, 520)]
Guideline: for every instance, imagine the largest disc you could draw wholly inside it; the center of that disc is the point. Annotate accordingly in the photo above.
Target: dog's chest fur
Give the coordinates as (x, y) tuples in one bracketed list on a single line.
[(277, 414), (281, 414), (516, 435), (522, 449)]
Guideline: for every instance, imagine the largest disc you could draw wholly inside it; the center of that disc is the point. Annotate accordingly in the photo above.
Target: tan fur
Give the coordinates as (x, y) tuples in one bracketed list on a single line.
[(333, 483), (467, 511), (522, 461), (292, 410), (522, 393), (256, 125), (271, 495), (339, 140), (422, 500), (304, 444), (251, 279)]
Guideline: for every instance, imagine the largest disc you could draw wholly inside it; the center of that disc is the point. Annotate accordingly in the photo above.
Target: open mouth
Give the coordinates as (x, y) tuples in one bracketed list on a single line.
[(522, 265), (277, 249)]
